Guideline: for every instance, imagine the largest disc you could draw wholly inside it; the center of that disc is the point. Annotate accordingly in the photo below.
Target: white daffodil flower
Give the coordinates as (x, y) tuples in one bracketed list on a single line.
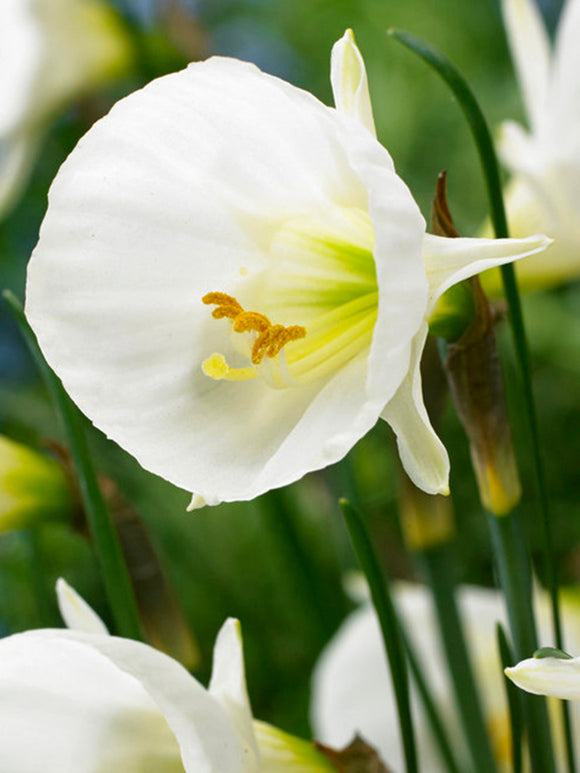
[(544, 192), (81, 701), (223, 187), (50, 52), (352, 690), (558, 677)]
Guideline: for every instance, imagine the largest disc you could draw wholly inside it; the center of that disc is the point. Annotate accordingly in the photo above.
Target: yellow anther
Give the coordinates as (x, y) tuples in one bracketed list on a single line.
[(270, 341), (251, 321), (227, 306)]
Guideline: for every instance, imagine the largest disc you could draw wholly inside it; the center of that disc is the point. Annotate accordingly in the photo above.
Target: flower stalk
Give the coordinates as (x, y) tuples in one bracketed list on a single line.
[(390, 630), (436, 562)]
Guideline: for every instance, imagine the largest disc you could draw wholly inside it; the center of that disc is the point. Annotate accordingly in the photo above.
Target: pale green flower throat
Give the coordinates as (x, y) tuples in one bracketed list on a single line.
[(321, 290)]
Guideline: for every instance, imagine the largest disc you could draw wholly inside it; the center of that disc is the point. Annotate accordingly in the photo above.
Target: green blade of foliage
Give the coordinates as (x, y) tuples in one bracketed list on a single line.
[(514, 698), (436, 562), (431, 708), (390, 630), (516, 581), (105, 540)]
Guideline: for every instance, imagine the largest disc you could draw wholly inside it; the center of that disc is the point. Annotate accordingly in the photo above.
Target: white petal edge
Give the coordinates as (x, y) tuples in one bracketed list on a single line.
[(204, 731), (228, 686), (448, 261), (76, 613), (556, 677), (530, 49), (422, 453), (349, 81)]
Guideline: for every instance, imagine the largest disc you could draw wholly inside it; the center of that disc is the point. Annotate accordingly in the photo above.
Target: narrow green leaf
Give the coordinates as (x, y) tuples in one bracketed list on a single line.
[(431, 709), (514, 698), (390, 630), (437, 562)]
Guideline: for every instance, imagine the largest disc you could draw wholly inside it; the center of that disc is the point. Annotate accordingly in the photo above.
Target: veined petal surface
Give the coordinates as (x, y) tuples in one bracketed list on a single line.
[(184, 190)]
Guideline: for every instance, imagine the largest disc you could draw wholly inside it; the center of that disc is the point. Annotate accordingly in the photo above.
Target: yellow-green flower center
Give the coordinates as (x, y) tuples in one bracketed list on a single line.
[(320, 290)]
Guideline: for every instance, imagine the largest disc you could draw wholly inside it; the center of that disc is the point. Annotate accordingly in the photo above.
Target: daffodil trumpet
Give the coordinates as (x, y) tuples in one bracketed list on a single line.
[(221, 182)]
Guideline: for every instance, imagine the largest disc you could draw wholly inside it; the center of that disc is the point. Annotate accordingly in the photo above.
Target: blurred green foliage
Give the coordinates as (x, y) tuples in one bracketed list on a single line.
[(276, 563)]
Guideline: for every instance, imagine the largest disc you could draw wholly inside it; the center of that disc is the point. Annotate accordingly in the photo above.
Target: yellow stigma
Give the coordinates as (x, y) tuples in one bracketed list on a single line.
[(270, 340)]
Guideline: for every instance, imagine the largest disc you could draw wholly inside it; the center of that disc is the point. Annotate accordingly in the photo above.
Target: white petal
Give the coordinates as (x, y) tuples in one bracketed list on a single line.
[(349, 81), (228, 686), (519, 150), (208, 741), (178, 191), (422, 453), (448, 261), (352, 690), (64, 707), (530, 49), (563, 111), (21, 51), (75, 611), (557, 677)]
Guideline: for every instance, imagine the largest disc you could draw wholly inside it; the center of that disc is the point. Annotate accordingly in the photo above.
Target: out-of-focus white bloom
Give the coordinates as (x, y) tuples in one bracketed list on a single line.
[(352, 690), (81, 701), (544, 192), (222, 186), (50, 52), (553, 676)]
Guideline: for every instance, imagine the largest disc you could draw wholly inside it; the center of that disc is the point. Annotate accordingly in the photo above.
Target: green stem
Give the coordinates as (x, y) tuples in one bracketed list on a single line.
[(485, 148), (515, 576), (431, 709), (105, 540), (390, 630), (437, 563), (514, 698)]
